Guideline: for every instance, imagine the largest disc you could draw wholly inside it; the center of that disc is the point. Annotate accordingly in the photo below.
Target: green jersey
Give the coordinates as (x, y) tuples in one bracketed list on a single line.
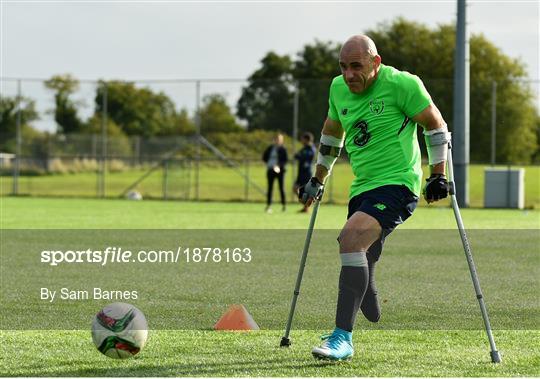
[(380, 136)]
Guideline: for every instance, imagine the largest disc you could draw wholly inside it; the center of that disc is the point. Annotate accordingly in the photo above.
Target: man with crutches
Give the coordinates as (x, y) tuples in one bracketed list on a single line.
[(373, 112)]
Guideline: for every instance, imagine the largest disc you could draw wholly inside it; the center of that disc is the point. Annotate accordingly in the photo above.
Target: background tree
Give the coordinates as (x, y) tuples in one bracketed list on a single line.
[(118, 143), (65, 112), (426, 52), (536, 155), (138, 111), (266, 102), (8, 121), (183, 125), (216, 116), (314, 68), (429, 53)]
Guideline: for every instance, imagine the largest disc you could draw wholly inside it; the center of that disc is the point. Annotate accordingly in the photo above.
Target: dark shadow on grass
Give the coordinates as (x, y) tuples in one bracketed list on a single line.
[(192, 369)]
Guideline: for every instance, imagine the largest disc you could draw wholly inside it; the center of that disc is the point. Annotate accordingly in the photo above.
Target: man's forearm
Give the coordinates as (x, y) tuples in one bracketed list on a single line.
[(433, 123), (321, 173), (439, 168), (329, 149)]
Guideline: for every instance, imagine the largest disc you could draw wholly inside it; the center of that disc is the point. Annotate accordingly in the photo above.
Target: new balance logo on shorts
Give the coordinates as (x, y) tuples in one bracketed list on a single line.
[(380, 206)]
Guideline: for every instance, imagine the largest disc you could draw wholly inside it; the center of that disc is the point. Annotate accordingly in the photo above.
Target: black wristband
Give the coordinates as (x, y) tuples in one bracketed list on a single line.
[(316, 180)]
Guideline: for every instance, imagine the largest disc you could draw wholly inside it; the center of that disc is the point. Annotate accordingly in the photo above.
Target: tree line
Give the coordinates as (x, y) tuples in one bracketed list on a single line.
[(413, 47), (267, 100)]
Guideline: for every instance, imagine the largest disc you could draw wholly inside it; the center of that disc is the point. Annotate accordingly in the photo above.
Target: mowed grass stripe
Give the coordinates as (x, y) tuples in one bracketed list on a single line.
[(218, 354), (54, 213)]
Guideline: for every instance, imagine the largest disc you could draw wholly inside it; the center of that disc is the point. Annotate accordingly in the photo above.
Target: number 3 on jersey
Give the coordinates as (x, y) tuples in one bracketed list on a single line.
[(363, 136)]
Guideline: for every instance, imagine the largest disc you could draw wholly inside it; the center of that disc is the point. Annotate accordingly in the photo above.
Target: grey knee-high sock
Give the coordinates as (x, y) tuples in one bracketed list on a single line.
[(353, 282), (370, 304)]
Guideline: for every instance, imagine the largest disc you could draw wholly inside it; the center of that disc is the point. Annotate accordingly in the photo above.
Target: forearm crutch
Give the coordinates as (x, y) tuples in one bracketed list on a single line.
[(285, 341), (495, 356)]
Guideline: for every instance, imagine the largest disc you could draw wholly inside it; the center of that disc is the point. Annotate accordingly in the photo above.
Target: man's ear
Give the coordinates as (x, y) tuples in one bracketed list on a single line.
[(377, 61)]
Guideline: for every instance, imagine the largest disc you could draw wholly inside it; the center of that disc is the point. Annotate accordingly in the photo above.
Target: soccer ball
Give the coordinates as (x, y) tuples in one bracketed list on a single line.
[(119, 330), (134, 195)]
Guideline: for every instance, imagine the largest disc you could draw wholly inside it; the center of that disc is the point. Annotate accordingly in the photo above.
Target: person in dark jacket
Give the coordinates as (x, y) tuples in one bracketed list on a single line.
[(305, 158), (275, 157)]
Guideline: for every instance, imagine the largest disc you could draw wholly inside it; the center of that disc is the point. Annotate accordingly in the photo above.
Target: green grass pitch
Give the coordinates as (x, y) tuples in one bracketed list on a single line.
[(431, 324)]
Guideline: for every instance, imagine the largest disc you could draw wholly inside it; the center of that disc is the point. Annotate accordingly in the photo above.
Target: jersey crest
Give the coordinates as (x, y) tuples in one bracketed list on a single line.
[(376, 106)]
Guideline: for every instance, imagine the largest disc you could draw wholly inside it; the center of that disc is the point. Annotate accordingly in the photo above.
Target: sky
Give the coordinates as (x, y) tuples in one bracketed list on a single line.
[(164, 40)]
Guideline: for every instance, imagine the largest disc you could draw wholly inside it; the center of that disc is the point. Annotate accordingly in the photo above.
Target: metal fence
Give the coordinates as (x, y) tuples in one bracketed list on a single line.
[(186, 168)]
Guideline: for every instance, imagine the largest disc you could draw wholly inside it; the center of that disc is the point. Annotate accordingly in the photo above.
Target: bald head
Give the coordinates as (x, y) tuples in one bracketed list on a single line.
[(359, 62), (360, 44)]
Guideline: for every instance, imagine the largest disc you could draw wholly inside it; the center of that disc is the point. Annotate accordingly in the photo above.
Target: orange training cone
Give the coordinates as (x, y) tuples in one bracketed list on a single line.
[(236, 318)]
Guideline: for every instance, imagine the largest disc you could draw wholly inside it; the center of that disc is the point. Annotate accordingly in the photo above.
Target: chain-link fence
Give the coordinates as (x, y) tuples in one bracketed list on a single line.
[(202, 139)]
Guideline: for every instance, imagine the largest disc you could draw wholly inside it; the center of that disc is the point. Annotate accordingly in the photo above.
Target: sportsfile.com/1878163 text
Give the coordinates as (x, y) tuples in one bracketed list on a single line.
[(112, 255)]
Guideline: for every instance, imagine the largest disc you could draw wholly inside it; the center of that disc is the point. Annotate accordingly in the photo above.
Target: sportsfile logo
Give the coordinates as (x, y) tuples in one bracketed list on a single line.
[(109, 255), (119, 255)]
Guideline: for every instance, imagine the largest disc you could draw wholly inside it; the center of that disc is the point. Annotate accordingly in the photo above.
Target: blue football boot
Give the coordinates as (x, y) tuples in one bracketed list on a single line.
[(336, 346)]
